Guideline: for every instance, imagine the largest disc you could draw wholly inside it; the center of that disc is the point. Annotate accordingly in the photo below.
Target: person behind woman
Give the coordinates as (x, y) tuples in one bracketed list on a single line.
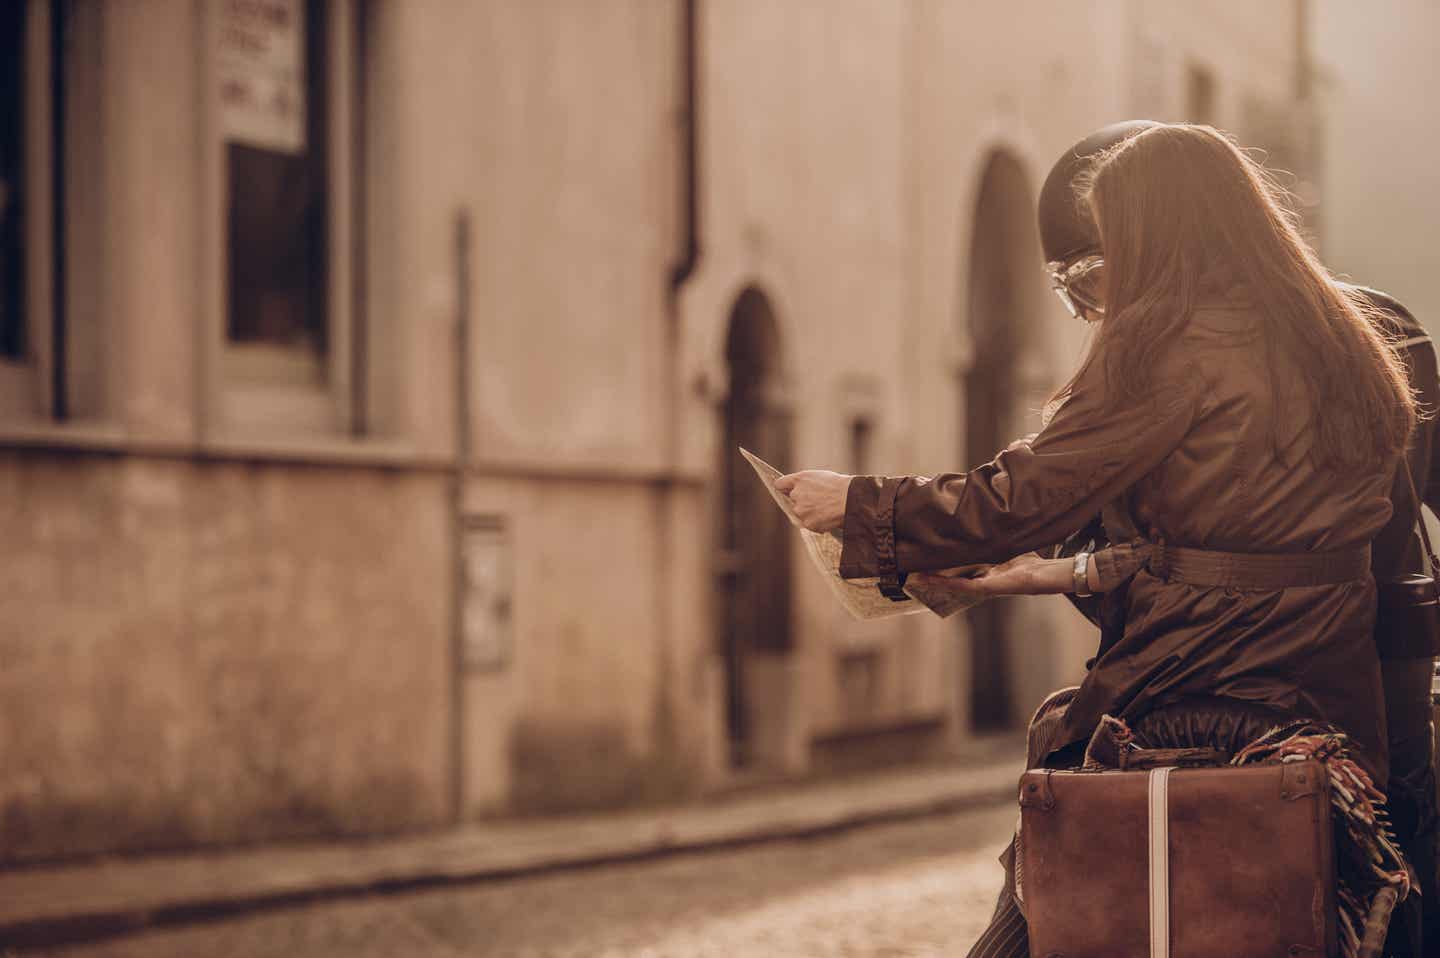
[(1239, 417)]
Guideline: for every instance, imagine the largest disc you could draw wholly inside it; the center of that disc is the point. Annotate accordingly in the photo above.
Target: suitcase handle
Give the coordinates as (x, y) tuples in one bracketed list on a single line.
[(1140, 759)]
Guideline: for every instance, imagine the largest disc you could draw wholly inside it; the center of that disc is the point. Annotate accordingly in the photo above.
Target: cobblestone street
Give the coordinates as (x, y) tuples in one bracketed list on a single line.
[(917, 888)]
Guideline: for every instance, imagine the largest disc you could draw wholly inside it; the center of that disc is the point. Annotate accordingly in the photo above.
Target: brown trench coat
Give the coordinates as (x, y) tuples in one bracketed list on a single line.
[(1194, 465)]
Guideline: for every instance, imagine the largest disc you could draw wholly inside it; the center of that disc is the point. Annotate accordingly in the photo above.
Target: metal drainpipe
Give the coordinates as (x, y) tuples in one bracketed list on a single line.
[(681, 270), (457, 511), (59, 332), (684, 266), (688, 254), (360, 206)]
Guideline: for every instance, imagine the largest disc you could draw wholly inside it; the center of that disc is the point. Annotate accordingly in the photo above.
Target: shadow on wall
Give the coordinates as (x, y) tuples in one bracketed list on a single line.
[(115, 822), (561, 765)]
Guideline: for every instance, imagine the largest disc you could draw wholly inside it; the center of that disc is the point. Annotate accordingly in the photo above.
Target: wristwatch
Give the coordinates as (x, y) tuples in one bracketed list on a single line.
[(1082, 575)]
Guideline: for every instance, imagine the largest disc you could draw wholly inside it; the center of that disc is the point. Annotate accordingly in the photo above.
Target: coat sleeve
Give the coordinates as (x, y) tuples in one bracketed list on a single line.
[(1028, 496)]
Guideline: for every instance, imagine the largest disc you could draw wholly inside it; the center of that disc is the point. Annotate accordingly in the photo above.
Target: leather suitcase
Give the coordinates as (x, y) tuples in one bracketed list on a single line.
[(1178, 863)]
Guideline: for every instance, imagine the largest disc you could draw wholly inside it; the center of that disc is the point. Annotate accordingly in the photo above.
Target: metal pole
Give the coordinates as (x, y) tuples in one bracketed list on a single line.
[(59, 334), (360, 207), (457, 511)]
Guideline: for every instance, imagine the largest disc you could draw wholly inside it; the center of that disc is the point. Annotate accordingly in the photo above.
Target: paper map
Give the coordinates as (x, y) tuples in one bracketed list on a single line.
[(860, 597)]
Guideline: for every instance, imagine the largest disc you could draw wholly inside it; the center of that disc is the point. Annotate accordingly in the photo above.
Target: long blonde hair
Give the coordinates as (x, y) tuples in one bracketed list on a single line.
[(1178, 203)]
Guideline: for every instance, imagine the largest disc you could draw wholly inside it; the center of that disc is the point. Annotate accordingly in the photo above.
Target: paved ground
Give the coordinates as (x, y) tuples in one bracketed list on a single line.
[(922, 887), (78, 901)]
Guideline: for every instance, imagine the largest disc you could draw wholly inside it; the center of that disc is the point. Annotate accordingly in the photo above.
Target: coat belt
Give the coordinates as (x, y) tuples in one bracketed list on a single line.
[(1258, 571)]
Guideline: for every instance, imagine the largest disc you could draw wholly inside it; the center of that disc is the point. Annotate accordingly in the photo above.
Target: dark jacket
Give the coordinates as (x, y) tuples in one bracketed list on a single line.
[(1396, 550), (1193, 464)]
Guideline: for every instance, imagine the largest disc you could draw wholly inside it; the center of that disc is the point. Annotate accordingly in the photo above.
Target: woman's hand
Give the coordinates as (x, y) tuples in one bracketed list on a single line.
[(1023, 575), (818, 496)]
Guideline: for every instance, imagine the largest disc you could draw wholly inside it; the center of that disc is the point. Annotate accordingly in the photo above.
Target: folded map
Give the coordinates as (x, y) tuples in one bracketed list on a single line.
[(860, 597)]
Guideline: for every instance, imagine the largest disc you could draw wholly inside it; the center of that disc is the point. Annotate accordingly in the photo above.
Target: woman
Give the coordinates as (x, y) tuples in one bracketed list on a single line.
[(1237, 421), (1238, 418)]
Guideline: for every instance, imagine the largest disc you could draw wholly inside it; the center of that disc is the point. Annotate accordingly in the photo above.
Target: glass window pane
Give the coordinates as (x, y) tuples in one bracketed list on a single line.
[(12, 187), (278, 222)]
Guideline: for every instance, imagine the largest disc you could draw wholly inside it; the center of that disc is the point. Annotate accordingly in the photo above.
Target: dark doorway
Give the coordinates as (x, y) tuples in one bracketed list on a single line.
[(1004, 268), (754, 567)]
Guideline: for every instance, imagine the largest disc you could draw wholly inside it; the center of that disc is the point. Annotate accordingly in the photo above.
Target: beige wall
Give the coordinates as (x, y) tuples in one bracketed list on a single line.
[(201, 649), (601, 700), (801, 132), (1382, 65), (210, 653), (973, 99), (553, 124)]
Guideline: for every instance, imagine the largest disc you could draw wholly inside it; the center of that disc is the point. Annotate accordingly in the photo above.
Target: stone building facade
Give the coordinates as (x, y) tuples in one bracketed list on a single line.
[(370, 374), (1380, 140)]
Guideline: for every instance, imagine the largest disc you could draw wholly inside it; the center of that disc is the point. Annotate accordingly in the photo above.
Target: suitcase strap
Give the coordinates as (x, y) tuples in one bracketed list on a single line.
[(1160, 862)]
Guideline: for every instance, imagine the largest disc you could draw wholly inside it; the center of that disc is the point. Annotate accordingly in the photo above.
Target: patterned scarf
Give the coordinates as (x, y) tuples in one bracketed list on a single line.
[(1372, 876)]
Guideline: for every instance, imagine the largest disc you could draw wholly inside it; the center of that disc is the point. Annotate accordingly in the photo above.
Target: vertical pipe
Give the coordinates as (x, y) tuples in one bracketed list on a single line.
[(689, 253), (59, 349), (1303, 66), (457, 512), (209, 322), (359, 221)]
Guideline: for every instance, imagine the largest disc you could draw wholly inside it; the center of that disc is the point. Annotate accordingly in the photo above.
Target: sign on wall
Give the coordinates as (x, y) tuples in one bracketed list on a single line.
[(261, 73), (487, 592)]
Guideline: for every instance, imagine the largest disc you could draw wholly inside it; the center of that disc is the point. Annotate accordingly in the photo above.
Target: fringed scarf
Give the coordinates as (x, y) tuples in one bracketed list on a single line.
[(1372, 876)]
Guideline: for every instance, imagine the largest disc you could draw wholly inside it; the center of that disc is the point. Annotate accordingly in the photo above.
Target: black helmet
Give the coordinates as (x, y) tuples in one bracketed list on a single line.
[(1065, 231)]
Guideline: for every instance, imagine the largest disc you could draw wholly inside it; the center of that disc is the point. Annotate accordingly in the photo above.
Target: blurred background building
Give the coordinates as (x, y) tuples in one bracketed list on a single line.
[(371, 375), (1378, 64)]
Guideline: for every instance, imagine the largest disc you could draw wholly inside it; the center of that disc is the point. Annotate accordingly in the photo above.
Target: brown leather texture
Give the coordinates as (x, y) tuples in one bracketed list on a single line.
[(1208, 461), (1252, 865)]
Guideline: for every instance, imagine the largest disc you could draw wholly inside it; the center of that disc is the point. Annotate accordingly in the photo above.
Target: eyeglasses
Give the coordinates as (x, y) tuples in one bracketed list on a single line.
[(1079, 285)]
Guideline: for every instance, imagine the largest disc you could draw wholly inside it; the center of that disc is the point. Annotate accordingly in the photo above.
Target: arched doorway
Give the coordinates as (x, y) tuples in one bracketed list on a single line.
[(754, 568), (1003, 307)]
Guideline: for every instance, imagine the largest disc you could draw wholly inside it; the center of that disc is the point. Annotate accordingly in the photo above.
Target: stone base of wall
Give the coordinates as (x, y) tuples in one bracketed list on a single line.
[(200, 654)]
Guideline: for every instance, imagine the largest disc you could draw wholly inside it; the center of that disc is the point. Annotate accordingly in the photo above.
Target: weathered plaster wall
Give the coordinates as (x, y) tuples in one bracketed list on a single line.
[(200, 654), (598, 705)]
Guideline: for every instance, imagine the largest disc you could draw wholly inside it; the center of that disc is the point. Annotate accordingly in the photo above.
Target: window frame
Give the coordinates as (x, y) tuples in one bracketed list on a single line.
[(25, 393), (260, 391)]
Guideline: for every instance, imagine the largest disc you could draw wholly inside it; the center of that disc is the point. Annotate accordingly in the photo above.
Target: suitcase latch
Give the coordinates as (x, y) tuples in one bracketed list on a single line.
[(1300, 779), (1035, 791)]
